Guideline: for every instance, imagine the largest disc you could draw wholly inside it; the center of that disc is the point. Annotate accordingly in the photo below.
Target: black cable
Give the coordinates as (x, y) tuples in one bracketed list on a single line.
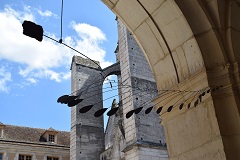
[(60, 41), (74, 50)]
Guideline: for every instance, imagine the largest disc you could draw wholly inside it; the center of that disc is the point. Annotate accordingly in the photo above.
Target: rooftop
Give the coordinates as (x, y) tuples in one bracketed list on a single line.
[(33, 135)]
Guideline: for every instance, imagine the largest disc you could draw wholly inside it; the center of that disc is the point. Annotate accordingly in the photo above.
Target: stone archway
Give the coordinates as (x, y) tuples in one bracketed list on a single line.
[(191, 45)]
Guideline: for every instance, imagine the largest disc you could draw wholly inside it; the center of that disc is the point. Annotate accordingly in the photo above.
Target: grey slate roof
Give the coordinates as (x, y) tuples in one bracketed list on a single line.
[(33, 135)]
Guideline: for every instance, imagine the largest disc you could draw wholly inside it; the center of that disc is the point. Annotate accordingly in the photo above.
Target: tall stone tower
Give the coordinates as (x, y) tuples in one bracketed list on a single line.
[(140, 137), (87, 132), (144, 136)]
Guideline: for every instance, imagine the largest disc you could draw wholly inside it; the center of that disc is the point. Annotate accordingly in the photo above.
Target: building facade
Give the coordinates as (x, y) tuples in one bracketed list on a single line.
[(25, 143)]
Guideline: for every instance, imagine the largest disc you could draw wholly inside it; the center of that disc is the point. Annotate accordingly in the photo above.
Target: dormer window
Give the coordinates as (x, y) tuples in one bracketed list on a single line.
[(51, 138), (49, 135)]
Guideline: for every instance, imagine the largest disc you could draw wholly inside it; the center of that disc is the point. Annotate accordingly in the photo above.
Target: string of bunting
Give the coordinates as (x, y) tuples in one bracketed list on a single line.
[(191, 96)]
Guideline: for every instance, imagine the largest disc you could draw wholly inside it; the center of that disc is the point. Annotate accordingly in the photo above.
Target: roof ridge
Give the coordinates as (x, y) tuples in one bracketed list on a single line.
[(34, 128)]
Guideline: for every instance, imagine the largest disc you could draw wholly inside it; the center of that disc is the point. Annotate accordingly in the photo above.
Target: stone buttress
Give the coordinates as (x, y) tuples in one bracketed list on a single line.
[(87, 133)]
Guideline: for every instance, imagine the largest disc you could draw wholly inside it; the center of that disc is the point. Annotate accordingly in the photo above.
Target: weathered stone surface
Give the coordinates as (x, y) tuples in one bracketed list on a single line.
[(209, 28)]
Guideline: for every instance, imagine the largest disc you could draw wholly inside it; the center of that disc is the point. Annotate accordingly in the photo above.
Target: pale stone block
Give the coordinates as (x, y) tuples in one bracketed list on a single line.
[(114, 1), (130, 137), (177, 32), (108, 3), (193, 55), (152, 5), (174, 26), (194, 130), (158, 36), (181, 63), (125, 9), (212, 117), (151, 45), (168, 8), (164, 73), (210, 151)]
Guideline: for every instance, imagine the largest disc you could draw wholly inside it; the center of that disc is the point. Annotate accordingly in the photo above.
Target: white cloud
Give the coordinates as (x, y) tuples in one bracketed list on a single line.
[(32, 80), (67, 75), (18, 15), (89, 32), (46, 13), (90, 38), (5, 77), (44, 59)]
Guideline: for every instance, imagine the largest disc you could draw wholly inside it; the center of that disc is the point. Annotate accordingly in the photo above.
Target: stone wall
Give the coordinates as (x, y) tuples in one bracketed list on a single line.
[(138, 90), (87, 135)]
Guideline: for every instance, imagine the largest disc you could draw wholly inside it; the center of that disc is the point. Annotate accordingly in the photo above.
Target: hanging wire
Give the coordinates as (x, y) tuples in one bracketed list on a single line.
[(192, 97), (136, 111), (148, 110), (60, 41), (74, 50)]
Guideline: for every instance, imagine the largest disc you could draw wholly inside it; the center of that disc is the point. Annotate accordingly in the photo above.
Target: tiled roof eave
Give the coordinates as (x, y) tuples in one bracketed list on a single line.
[(47, 144)]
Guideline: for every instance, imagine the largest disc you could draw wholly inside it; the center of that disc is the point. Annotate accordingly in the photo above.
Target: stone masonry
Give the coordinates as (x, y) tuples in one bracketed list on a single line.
[(144, 135), (139, 137), (86, 134)]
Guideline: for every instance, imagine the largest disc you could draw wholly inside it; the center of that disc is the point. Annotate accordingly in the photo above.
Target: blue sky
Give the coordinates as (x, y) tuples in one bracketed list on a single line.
[(34, 74)]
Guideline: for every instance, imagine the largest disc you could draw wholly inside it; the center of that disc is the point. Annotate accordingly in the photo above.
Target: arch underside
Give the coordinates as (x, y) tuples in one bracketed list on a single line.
[(198, 33), (196, 41)]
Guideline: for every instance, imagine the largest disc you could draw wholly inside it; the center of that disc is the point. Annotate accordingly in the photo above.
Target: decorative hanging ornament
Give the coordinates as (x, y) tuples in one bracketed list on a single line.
[(181, 106), (129, 114), (159, 110), (85, 109), (112, 111), (148, 110), (63, 99), (32, 30), (170, 108), (136, 111), (74, 102), (100, 112)]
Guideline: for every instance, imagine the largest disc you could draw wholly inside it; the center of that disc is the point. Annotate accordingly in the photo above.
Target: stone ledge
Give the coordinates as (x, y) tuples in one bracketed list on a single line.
[(145, 144)]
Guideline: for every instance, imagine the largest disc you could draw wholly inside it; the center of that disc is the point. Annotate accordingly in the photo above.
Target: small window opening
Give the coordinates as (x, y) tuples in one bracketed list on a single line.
[(24, 157), (52, 158), (51, 138)]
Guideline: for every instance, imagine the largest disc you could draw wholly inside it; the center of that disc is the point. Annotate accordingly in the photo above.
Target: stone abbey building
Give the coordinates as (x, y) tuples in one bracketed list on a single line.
[(190, 45), (87, 139), (141, 136)]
